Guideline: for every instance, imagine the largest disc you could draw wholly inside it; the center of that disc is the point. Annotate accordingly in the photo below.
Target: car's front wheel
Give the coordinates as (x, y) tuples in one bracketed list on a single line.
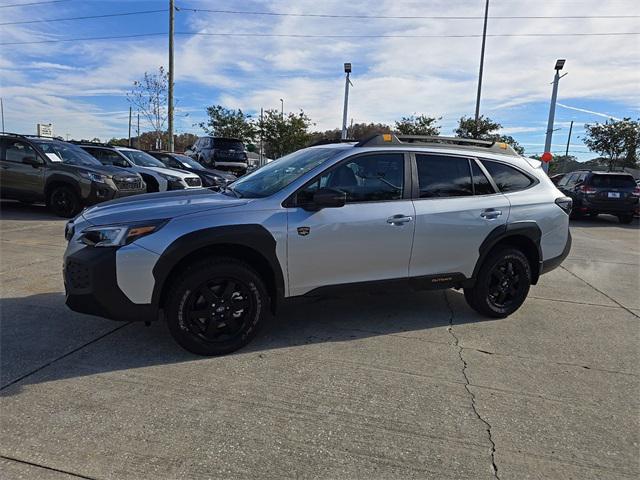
[(216, 306), (64, 202), (502, 285)]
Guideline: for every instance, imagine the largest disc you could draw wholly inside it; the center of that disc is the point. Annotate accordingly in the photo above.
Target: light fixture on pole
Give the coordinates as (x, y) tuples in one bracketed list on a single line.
[(347, 82), (552, 113)]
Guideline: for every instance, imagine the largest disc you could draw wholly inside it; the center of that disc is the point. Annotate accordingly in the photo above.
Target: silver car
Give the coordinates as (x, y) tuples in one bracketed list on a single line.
[(390, 212)]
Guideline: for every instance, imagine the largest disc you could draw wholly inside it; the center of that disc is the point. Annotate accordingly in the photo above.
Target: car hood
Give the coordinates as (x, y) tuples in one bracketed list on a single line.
[(153, 206), (108, 170)]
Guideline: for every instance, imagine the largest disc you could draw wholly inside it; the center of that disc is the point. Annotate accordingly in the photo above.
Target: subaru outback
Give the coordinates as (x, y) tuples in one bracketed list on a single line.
[(388, 212)]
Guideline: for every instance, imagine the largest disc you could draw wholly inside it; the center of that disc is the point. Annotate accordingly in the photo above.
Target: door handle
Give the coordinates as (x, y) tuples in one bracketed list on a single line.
[(399, 219), (490, 214)]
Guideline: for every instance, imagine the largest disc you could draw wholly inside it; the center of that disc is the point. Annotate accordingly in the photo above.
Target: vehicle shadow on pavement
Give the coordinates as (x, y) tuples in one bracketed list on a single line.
[(10, 210), (42, 341)]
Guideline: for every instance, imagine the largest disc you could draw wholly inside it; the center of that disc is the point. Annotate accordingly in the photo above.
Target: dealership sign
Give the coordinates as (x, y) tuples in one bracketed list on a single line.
[(45, 130)]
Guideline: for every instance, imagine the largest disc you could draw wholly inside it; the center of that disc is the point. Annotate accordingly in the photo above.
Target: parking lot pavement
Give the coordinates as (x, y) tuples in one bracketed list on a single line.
[(397, 386)]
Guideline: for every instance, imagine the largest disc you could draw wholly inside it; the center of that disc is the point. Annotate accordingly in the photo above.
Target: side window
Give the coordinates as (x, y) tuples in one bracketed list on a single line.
[(366, 178), (507, 178), (565, 180), (16, 151), (481, 185), (443, 176)]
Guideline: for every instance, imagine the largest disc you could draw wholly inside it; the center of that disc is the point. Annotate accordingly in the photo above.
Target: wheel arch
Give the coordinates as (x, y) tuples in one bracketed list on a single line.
[(525, 236), (61, 181), (251, 244)]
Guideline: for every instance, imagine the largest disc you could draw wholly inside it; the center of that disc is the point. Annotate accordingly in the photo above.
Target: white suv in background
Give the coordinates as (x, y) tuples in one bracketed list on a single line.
[(389, 212), (156, 175)]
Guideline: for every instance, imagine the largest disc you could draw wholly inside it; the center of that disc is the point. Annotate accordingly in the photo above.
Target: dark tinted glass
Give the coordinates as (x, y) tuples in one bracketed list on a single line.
[(481, 183), (507, 179), (612, 181), (68, 153), (228, 144), (368, 178), (443, 176), (16, 151)]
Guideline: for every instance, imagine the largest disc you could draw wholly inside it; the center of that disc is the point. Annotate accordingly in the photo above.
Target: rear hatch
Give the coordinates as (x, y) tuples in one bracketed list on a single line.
[(611, 190), (229, 150)]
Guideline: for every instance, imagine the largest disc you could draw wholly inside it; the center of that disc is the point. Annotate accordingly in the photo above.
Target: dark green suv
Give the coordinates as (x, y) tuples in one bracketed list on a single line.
[(65, 177)]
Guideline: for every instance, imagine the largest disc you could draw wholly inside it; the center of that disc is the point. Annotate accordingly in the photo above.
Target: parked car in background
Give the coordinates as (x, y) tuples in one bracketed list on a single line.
[(556, 178), (156, 175), (221, 153), (210, 177), (615, 193), (61, 174)]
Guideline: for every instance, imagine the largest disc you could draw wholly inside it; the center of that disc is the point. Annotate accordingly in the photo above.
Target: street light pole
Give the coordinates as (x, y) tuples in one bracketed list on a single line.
[(170, 96), (484, 39), (282, 109), (552, 110), (347, 82), (566, 153)]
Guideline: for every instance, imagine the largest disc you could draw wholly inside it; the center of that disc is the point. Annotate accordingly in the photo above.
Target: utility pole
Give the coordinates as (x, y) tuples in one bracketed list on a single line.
[(170, 96), (261, 127), (552, 110), (566, 153), (347, 82), (129, 126), (484, 39), (138, 130), (2, 110), (282, 109)]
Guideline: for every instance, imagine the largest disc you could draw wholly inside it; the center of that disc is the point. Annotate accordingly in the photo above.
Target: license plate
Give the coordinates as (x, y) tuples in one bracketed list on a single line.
[(614, 195)]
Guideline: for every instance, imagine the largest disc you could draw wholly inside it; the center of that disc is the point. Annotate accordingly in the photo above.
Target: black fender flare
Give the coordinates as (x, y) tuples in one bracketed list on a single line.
[(528, 229), (249, 236)]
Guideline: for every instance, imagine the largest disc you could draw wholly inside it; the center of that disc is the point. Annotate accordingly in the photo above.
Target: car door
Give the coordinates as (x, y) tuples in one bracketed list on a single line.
[(19, 179), (456, 207), (368, 239)]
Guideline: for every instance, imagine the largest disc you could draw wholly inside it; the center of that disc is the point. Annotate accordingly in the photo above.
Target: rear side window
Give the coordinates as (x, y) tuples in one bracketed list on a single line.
[(612, 181), (443, 176), (507, 178), (16, 151), (481, 185)]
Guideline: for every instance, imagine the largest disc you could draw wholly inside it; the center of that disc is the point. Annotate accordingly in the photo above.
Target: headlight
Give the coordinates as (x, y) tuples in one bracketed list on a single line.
[(118, 235), (170, 178), (94, 177)]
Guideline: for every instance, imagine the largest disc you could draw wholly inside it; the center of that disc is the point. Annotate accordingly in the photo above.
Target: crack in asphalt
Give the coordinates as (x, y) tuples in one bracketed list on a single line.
[(494, 467), (66, 472), (600, 291)]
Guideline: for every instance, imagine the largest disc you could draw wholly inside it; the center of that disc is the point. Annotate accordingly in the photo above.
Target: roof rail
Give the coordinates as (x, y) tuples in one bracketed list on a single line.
[(86, 142), (390, 140), (35, 135)]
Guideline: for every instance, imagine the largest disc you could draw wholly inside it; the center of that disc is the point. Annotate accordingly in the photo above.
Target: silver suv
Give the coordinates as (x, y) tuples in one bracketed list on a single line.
[(389, 212)]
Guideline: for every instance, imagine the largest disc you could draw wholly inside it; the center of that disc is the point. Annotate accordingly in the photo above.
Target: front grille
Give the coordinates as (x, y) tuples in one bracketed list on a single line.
[(193, 181), (128, 183), (77, 274)]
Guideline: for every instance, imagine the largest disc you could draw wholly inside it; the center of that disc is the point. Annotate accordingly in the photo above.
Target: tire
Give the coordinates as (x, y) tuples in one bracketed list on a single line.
[(64, 201), (200, 308), (625, 219), (485, 296)]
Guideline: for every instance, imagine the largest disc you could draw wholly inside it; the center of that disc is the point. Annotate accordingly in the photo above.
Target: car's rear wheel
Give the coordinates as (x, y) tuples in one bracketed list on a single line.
[(502, 285), (216, 306), (64, 202), (625, 218)]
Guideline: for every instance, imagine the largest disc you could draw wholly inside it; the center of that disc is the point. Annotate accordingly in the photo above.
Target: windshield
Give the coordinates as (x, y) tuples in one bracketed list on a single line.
[(276, 175), (189, 162), (70, 154), (142, 159), (613, 181)]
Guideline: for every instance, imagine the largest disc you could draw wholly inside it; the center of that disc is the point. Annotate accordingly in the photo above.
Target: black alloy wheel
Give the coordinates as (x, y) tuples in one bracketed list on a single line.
[(64, 202), (502, 284), (216, 306)]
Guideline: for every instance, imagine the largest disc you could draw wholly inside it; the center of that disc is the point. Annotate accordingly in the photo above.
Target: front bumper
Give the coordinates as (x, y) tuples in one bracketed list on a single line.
[(91, 287), (101, 192)]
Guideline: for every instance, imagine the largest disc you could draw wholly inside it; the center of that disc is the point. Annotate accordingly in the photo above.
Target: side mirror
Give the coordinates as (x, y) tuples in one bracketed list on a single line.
[(121, 164), (328, 198), (33, 161)]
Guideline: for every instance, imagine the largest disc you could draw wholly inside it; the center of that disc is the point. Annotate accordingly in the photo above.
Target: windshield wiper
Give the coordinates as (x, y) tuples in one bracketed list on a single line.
[(229, 189)]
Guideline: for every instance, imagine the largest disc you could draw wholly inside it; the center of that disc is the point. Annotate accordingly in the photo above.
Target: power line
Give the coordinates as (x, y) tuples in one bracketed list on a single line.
[(124, 14), (32, 3), (400, 17), (293, 35)]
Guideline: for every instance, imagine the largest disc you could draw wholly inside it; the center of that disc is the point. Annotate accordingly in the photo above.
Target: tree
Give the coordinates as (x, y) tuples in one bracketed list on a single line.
[(418, 125), (486, 129), (616, 140), (282, 135), (357, 131), (224, 122), (149, 97)]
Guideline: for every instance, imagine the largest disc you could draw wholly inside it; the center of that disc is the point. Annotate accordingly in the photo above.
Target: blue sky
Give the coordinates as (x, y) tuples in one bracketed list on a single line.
[(81, 86)]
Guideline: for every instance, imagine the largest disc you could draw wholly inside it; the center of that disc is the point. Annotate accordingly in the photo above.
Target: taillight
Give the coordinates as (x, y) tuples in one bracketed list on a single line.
[(565, 203), (636, 192), (587, 189)]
